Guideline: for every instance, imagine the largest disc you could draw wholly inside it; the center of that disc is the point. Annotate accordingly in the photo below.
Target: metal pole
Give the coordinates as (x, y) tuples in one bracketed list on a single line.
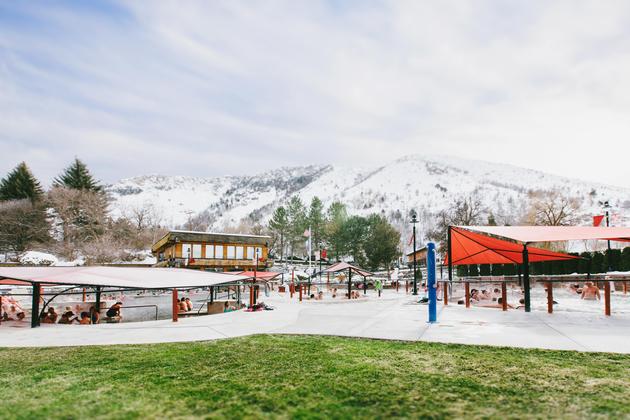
[(35, 305), (528, 307), (449, 251), (349, 282), (415, 269), (609, 253), (431, 282)]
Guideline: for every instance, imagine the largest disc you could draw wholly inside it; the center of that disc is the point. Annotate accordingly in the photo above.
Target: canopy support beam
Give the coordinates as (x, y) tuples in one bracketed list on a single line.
[(35, 305), (528, 307)]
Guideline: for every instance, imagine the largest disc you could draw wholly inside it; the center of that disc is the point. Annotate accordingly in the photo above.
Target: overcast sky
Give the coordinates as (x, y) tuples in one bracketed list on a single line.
[(212, 88)]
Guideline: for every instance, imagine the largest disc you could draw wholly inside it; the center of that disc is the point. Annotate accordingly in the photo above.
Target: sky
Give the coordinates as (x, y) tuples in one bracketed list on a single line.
[(208, 88)]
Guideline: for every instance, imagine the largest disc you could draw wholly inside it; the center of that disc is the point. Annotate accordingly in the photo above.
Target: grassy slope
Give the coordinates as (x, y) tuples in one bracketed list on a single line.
[(301, 376)]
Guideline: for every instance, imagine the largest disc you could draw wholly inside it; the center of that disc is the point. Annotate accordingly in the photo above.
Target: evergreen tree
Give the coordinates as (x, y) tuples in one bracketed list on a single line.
[(335, 218), (316, 221), (353, 237), (279, 225), (20, 184), (77, 177), (381, 244), (625, 259), (296, 215)]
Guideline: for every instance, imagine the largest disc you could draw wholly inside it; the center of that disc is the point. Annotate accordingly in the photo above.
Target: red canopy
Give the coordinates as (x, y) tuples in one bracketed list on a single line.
[(474, 248), (531, 234), (260, 275)]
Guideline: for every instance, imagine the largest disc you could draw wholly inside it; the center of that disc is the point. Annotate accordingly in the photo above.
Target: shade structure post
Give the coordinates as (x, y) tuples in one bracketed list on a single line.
[(445, 287), (467, 293), (83, 295), (449, 251), (97, 303), (625, 287), (549, 298), (364, 285), (431, 282), (300, 287), (35, 305), (504, 304), (349, 282), (607, 298), (175, 301), (528, 307)]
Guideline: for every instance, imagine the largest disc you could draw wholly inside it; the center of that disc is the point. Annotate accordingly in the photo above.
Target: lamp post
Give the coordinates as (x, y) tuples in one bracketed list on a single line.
[(414, 220), (606, 206)]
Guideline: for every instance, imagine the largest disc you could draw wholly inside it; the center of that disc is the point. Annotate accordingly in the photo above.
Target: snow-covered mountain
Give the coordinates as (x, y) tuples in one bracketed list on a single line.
[(427, 184)]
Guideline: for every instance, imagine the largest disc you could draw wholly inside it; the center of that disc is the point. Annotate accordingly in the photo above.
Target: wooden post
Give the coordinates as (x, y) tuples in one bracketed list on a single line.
[(84, 295), (467, 286), (35, 305), (625, 287), (212, 294), (607, 298), (300, 286), (445, 287), (549, 298), (406, 286), (251, 295), (292, 282), (504, 296), (175, 306)]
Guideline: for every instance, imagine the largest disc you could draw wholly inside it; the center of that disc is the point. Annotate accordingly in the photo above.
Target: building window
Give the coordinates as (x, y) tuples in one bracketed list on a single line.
[(196, 251), (231, 252), (210, 251), (239, 253), (250, 252), (218, 252), (186, 250)]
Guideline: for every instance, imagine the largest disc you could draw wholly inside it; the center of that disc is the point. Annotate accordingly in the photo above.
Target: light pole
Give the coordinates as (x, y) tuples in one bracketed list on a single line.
[(414, 220), (606, 206)]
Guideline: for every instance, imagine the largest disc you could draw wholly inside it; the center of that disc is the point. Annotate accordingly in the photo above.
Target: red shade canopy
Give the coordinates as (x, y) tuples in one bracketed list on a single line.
[(260, 275), (531, 234), (474, 248)]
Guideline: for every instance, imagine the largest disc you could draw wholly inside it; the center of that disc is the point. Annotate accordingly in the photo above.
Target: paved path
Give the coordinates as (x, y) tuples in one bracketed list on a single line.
[(394, 316)]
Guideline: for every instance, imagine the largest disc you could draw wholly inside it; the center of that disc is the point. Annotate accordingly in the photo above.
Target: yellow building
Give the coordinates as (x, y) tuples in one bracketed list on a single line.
[(203, 250)]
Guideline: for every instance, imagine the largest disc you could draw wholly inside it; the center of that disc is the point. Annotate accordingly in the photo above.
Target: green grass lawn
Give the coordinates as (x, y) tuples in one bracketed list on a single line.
[(300, 376)]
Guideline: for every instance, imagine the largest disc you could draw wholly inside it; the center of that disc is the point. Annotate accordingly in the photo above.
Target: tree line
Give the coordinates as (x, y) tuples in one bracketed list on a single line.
[(370, 241), (71, 218)]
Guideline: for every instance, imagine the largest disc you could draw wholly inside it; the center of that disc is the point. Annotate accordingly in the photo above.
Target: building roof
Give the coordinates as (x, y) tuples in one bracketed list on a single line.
[(124, 277), (424, 248), (192, 236), (342, 266)]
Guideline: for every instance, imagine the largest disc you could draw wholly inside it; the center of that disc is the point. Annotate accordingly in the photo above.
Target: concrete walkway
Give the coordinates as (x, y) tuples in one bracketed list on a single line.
[(393, 316)]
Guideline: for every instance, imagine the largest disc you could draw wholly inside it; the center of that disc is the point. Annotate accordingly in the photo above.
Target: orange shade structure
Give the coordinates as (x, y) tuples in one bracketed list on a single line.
[(475, 248)]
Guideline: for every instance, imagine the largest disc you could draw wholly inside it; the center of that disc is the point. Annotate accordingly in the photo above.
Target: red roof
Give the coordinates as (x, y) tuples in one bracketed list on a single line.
[(474, 248), (260, 275)]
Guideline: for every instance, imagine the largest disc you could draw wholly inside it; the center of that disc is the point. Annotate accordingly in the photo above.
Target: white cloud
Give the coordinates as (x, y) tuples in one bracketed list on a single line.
[(209, 88)]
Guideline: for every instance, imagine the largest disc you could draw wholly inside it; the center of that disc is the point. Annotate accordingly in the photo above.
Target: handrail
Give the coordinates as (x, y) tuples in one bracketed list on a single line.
[(141, 306)]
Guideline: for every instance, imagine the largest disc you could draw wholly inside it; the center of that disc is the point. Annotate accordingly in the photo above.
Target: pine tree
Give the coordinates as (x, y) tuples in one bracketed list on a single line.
[(381, 244), (336, 217), (77, 177), (296, 214), (279, 225), (20, 184), (316, 221)]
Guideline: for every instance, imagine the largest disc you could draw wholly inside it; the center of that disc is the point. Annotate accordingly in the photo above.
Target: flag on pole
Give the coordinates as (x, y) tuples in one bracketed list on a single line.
[(597, 220)]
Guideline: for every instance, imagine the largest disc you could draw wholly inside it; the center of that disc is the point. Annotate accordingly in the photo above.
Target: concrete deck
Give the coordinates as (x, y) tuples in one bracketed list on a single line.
[(393, 316)]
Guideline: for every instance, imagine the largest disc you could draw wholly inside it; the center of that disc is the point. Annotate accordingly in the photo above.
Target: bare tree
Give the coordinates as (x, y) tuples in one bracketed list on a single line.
[(465, 211), (22, 224), (552, 208)]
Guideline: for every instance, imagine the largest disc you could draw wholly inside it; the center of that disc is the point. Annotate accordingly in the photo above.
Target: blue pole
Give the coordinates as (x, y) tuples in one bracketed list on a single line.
[(431, 282)]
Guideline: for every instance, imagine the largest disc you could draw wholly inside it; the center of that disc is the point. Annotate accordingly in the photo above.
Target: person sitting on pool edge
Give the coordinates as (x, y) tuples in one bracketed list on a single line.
[(85, 318), (590, 291), (189, 304), (228, 308), (50, 317), (114, 311)]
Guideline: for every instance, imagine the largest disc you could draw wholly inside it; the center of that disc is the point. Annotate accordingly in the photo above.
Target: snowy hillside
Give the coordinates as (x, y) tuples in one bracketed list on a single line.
[(428, 184)]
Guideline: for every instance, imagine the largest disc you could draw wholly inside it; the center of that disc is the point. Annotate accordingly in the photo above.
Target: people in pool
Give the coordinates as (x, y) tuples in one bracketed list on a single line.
[(114, 311), (590, 291)]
